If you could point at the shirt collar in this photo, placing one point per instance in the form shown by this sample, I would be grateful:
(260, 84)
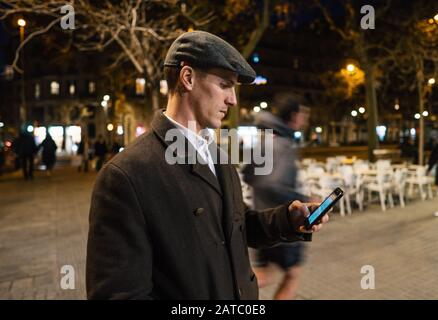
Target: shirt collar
(205, 138)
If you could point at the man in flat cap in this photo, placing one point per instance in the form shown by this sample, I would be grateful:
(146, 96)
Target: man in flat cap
(163, 229)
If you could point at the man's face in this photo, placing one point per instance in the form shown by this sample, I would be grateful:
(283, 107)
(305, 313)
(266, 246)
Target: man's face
(300, 120)
(213, 93)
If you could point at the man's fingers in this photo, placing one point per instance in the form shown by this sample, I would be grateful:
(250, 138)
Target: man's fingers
(312, 205)
(326, 218)
(303, 207)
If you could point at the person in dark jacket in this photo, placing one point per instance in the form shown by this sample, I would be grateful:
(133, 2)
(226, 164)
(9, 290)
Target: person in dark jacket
(279, 186)
(100, 151)
(25, 148)
(433, 159)
(48, 147)
(168, 222)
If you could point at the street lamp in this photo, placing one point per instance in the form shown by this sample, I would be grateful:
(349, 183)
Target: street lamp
(436, 17)
(23, 112)
(21, 22)
(362, 110)
(431, 81)
(354, 113)
(351, 68)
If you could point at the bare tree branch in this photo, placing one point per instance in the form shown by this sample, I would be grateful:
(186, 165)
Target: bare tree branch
(28, 38)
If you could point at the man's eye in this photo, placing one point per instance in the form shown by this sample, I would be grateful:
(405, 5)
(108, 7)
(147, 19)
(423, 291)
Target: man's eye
(224, 85)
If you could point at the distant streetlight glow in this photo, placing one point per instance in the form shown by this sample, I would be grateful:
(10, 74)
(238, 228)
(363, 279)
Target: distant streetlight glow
(2, 124)
(256, 109)
(417, 116)
(397, 106)
(436, 17)
(425, 113)
(297, 134)
(104, 103)
(362, 110)
(30, 128)
(431, 81)
(354, 113)
(263, 105)
(106, 97)
(431, 21)
(110, 127)
(260, 80)
(21, 22)
(119, 130)
(351, 67)
(318, 129)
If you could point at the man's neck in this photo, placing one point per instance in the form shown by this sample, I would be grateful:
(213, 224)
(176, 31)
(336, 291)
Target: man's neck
(182, 114)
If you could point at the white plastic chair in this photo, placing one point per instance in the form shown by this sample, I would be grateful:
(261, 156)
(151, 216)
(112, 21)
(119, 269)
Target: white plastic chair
(399, 184)
(353, 186)
(326, 185)
(382, 184)
(421, 180)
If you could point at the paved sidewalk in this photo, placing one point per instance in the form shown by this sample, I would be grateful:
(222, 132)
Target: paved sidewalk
(44, 224)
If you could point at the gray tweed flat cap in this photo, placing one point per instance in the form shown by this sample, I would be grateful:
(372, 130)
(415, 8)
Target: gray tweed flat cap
(205, 50)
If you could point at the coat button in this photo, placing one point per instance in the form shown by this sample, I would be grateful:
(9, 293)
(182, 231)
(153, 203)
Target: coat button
(223, 242)
(198, 211)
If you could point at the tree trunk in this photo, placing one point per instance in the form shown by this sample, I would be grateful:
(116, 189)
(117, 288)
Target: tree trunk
(420, 84)
(254, 39)
(371, 103)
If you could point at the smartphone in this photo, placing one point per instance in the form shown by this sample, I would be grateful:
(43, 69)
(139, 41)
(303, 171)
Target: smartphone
(323, 208)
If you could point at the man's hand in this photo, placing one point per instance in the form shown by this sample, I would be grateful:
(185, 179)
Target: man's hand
(300, 211)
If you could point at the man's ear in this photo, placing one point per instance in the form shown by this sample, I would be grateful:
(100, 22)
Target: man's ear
(186, 78)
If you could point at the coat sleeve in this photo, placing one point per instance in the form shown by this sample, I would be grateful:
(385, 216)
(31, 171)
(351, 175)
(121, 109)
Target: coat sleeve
(119, 253)
(265, 228)
(271, 226)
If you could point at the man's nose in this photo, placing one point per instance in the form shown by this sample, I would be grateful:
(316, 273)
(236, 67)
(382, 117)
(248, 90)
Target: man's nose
(231, 98)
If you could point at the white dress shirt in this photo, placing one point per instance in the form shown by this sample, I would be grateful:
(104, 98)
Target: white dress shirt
(201, 143)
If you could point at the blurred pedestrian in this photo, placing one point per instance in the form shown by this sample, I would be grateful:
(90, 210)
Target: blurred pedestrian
(48, 147)
(25, 148)
(115, 149)
(277, 187)
(2, 157)
(83, 152)
(433, 160)
(100, 151)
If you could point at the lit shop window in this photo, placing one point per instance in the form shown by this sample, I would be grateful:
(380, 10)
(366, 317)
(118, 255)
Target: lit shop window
(37, 91)
(72, 89)
(140, 86)
(54, 88)
(91, 87)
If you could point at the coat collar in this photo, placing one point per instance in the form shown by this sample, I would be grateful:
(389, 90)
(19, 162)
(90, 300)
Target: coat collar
(161, 126)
